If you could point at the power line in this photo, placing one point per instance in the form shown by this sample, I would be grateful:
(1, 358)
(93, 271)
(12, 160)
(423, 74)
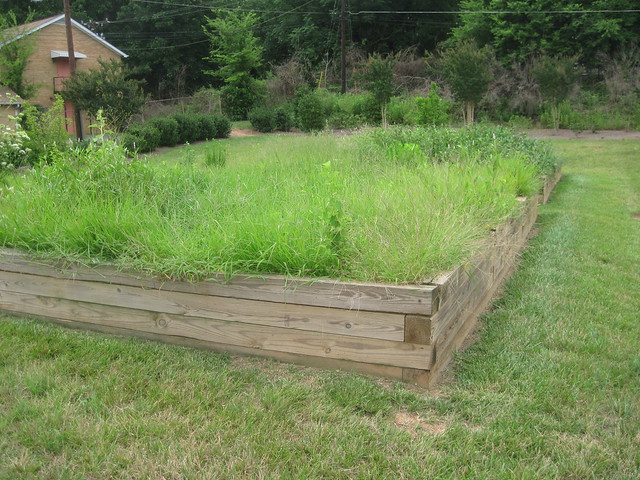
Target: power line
(486, 12)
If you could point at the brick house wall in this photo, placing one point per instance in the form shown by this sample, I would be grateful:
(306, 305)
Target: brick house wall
(50, 61)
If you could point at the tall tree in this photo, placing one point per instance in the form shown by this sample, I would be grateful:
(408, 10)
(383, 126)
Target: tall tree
(521, 29)
(468, 70)
(237, 58)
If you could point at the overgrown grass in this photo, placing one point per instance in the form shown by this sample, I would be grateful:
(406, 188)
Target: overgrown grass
(314, 206)
(549, 391)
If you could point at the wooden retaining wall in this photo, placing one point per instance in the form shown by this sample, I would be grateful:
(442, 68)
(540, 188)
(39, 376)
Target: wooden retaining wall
(402, 332)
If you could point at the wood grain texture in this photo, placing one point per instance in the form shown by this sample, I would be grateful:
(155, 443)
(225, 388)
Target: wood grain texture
(412, 299)
(328, 320)
(316, 362)
(379, 352)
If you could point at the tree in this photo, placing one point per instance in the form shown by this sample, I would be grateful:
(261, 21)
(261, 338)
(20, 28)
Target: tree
(378, 78)
(106, 88)
(556, 78)
(14, 56)
(468, 71)
(238, 57)
(529, 29)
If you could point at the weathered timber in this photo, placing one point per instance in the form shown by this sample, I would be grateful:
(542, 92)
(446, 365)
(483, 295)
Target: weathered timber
(327, 320)
(379, 352)
(403, 299)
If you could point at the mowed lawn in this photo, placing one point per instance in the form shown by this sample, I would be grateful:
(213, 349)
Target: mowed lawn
(550, 388)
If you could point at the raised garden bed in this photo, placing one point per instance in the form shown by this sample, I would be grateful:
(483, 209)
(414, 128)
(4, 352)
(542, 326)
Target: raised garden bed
(403, 332)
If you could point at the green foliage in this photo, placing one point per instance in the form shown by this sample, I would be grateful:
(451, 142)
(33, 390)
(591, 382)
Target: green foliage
(517, 36)
(283, 118)
(478, 144)
(141, 138)
(46, 130)
(187, 127)
(215, 155)
(14, 151)
(433, 109)
(468, 71)
(402, 111)
(222, 125)
(556, 78)
(15, 55)
(168, 128)
(310, 112)
(262, 119)
(107, 89)
(237, 56)
(378, 80)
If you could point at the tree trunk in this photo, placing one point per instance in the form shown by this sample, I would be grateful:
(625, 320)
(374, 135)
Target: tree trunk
(469, 113)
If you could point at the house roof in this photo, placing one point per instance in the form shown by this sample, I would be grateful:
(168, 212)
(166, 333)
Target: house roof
(9, 97)
(32, 27)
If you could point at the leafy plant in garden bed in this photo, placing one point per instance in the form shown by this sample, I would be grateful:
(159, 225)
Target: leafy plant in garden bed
(318, 206)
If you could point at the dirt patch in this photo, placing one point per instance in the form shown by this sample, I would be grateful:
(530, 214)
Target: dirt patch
(635, 216)
(244, 132)
(413, 424)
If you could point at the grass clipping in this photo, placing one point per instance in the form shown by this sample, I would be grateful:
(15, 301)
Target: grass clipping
(391, 205)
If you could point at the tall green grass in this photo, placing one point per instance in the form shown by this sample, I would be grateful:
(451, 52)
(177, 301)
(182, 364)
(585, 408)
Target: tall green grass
(312, 206)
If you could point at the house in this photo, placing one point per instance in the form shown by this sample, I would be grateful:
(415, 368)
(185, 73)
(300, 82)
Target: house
(9, 106)
(49, 65)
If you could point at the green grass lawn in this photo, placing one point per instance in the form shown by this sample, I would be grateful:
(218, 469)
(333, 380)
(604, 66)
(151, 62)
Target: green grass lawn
(551, 388)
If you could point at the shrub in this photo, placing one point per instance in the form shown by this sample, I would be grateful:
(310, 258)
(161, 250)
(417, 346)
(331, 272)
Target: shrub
(344, 120)
(168, 128)
(46, 130)
(402, 111)
(206, 127)
(283, 118)
(366, 107)
(187, 127)
(13, 152)
(222, 125)
(262, 119)
(141, 138)
(433, 109)
(310, 112)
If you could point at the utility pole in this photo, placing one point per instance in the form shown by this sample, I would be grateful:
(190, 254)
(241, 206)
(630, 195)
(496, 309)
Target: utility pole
(343, 46)
(72, 62)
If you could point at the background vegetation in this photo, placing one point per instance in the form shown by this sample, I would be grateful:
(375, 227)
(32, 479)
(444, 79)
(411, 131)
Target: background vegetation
(276, 51)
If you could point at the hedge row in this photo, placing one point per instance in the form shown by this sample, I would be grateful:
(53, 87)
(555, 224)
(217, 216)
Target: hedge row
(173, 130)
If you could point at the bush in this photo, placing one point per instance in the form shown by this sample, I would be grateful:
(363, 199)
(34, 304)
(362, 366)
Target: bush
(187, 127)
(168, 128)
(46, 130)
(283, 118)
(222, 125)
(13, 152)
(402, 111)
(433, 109)
(262, 119)
(344, 120)
(310, 112)
(206, 127)
(141, 138)
(366, 107)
